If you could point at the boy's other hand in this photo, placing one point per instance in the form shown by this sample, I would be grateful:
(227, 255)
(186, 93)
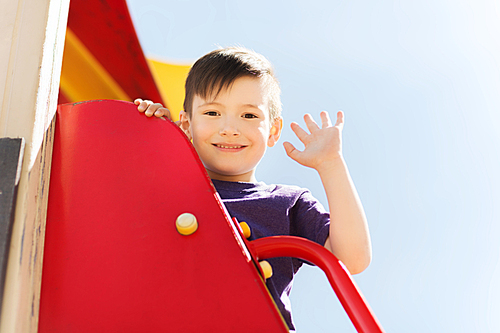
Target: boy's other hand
(149, 108)
(322, 145)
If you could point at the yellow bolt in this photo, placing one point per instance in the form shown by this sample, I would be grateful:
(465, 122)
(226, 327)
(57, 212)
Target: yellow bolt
(246, 229)
(266, 269)
(186, 224)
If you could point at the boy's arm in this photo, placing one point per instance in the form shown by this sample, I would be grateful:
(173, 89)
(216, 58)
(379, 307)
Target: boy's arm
(349, 236)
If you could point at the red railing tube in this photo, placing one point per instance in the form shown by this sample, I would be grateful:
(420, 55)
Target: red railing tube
(342, 283)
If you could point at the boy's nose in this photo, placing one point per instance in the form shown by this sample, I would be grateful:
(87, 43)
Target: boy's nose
(229, 130)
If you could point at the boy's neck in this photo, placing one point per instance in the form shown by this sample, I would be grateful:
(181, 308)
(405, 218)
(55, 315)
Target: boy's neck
(248, 177)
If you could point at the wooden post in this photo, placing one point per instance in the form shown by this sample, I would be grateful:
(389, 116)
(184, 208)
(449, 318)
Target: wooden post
(11, 160)
(31, 46)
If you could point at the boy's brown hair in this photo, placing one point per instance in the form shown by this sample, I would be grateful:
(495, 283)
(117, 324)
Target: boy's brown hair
(220, 68)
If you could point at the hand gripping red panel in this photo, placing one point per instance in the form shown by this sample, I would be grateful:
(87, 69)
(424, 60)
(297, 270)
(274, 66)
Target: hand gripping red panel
(113, 260)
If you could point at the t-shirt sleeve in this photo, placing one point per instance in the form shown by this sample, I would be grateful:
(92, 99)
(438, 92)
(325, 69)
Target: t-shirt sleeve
(309, 219)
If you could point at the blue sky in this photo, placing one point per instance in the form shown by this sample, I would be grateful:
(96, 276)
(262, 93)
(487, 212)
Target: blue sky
(419, 82)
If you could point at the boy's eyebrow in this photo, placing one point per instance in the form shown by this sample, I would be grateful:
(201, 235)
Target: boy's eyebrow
(209, 103)
(251, 106)
(220, 104)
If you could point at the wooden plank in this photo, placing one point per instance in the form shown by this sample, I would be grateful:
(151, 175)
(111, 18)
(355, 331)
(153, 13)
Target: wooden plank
(32, 41)
(11, 160)
(21, 292)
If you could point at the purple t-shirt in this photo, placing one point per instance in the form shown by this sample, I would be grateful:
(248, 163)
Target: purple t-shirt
(272, 210)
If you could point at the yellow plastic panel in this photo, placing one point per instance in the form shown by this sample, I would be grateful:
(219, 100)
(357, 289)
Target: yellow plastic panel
(170, 79)
(83, 77)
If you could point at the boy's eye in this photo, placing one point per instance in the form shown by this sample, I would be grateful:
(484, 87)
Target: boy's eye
(249, 115)
(212, 113)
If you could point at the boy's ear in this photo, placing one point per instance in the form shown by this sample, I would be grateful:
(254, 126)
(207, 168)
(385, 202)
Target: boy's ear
(185, 124)
(275, 132)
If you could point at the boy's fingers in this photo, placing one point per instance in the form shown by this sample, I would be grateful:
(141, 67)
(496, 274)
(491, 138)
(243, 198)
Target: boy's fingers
(163, 112)
(325, 119)
(143, 106)
(149, 108)
(311, 124)
(152, 108)
(301, 134)
(340, 120)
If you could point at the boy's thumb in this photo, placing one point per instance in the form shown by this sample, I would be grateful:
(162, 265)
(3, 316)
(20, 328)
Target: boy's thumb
(291, 151)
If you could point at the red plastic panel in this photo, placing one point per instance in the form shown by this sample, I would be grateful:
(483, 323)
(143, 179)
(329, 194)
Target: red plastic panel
(113, 260)
(344, 286)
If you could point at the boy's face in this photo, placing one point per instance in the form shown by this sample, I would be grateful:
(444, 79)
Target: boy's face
(232, 131)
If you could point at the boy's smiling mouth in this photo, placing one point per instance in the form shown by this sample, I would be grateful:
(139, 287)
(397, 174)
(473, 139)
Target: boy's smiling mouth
(227, 146)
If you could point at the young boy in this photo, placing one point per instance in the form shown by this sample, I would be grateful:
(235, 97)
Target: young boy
(232, 113)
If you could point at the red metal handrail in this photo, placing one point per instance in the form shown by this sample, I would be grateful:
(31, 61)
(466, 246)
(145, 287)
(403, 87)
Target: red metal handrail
(342, 283)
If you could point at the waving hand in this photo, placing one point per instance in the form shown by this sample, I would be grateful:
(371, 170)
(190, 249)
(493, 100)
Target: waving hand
(323, 145)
